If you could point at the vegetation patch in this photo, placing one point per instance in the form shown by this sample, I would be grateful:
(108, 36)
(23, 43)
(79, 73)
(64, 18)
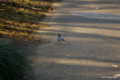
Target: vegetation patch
(20, 18)
(14, 65)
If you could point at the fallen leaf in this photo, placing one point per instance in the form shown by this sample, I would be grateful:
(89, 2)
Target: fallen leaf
(116, 66)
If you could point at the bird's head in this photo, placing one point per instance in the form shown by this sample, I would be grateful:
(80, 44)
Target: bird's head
(58, 34)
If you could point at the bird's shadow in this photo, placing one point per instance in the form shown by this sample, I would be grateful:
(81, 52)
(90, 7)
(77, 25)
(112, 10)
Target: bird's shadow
(62, 43)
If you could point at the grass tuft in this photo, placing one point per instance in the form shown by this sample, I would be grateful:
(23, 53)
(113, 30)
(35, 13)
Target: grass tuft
(14, 64)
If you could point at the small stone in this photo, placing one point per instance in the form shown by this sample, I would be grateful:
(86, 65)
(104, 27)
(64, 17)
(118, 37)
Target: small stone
(96, 8)
(20, 26)
(116, 66)
(68, 55)
(117, 75)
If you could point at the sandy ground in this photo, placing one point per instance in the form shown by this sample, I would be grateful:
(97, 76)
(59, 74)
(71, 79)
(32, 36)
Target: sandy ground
(94, 46)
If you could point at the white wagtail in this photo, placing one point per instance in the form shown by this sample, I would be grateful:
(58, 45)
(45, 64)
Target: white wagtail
(59, 38)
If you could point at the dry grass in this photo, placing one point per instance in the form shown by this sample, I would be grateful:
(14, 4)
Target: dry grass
(19, 18)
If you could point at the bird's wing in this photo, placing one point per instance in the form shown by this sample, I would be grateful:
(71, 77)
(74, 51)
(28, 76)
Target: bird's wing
(60, 39)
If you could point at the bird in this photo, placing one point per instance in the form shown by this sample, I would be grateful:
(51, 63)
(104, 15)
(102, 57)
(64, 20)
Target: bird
(59, 38)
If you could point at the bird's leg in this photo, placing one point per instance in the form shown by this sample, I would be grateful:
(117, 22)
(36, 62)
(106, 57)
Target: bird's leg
(60, 42)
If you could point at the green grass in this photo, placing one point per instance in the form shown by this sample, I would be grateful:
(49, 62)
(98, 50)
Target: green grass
(14, 65)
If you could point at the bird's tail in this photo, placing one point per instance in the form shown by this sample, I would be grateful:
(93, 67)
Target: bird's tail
(67, 41)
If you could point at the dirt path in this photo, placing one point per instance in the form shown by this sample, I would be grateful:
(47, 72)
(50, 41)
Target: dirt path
(95, 42)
